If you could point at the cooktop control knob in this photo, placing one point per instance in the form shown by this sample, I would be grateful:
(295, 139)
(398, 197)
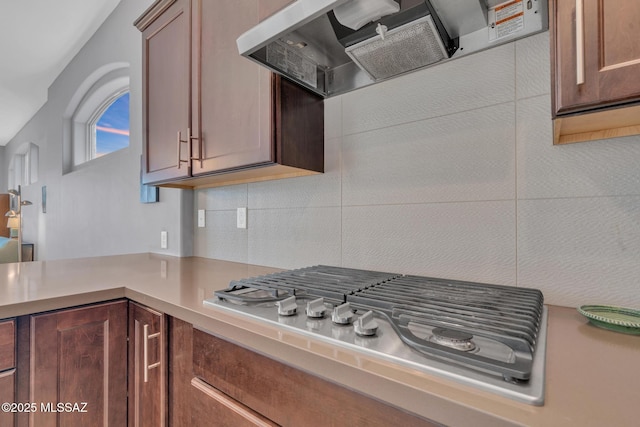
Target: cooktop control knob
(316, 308)
(366, 326)
(342, 314)
(287, 306)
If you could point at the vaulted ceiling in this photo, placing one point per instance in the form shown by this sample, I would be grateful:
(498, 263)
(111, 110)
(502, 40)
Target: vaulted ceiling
(38, 38)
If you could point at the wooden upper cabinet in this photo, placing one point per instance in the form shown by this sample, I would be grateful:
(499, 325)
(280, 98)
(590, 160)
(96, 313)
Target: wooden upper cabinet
(269, 7)
(235, 122)
(166, 93)
(233, 95)
(596, 64)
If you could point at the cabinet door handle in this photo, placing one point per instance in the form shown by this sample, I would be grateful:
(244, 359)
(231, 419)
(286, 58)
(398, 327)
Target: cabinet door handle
(199, 158)
(579, 42)
(145, 351)
(188, 141)
(180, 141)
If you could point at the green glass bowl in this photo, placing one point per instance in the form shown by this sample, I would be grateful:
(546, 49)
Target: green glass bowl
(619, 319)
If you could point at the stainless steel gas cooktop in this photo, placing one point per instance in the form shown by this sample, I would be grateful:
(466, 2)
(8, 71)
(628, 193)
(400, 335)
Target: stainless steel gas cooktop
(487, 336)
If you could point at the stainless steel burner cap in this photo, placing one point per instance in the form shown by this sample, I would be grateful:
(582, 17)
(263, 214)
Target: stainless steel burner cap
(458, 340)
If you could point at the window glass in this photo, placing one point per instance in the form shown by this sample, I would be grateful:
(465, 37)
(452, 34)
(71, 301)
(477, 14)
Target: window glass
(111, 129)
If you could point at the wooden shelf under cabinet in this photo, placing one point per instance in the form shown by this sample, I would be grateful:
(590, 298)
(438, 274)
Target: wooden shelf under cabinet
(610, 123)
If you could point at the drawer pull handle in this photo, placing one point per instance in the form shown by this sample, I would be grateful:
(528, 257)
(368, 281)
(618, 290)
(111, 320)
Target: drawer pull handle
(579, 42)
(145, 351)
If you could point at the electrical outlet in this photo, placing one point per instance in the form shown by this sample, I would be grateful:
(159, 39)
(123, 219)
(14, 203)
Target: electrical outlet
(163, 240)
(242, 218)
(201, 218)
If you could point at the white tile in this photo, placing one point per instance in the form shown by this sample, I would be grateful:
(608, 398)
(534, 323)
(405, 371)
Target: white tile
(292, 238)
(307, 191)
(533, 75)
(222, 198)
(581, 251)
(220, 239)
(333, 117)
(478, 80)
(465, 241)
(586, 169)
(460, 157)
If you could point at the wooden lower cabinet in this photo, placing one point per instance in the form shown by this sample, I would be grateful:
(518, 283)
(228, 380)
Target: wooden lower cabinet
(110, 359)
(79, 356)
(7, 369)
(120, 363)
(8, 395)
(7, 344)
(211, 407)
(228, 385)
(147, 367)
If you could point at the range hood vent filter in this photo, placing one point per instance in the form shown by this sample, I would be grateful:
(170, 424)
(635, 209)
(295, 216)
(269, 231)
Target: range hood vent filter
(331, 47)
(402, 49)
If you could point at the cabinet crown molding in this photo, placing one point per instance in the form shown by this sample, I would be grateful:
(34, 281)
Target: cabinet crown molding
(149, 15)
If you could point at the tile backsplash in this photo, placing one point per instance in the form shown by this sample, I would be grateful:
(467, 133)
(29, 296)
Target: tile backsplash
(451, 172)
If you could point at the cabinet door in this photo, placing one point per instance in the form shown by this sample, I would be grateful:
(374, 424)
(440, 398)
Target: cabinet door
(166, 80)
(147, 367)
(7, 394)
(7, 344)
(231, 94)
(80, 356)
(597, 54)
(269, 7)
(7, 373)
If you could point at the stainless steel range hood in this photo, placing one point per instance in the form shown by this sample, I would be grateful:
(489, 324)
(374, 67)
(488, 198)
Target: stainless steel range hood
(325, 46)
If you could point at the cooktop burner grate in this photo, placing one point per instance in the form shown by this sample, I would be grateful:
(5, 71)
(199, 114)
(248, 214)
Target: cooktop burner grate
(324, 281)
(425, 312)
(504, 310)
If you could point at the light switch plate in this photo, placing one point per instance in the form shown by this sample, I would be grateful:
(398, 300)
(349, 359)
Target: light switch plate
(242, 218)
(201, 218)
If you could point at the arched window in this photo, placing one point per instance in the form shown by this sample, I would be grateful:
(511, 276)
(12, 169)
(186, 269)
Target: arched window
(97, 117)
(109, 128)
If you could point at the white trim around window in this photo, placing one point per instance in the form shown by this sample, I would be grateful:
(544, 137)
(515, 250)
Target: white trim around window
(89, 102)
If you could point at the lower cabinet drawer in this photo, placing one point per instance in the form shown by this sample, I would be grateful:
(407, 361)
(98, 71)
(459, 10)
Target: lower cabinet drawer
(286, 395)
(7, 344)
(211, 407)
(7, 395)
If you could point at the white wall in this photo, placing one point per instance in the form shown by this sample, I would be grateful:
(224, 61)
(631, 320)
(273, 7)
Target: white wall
(95, 210)
(451, 172)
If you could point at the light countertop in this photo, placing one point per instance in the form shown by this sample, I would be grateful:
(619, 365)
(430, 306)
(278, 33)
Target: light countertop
(592, 375)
